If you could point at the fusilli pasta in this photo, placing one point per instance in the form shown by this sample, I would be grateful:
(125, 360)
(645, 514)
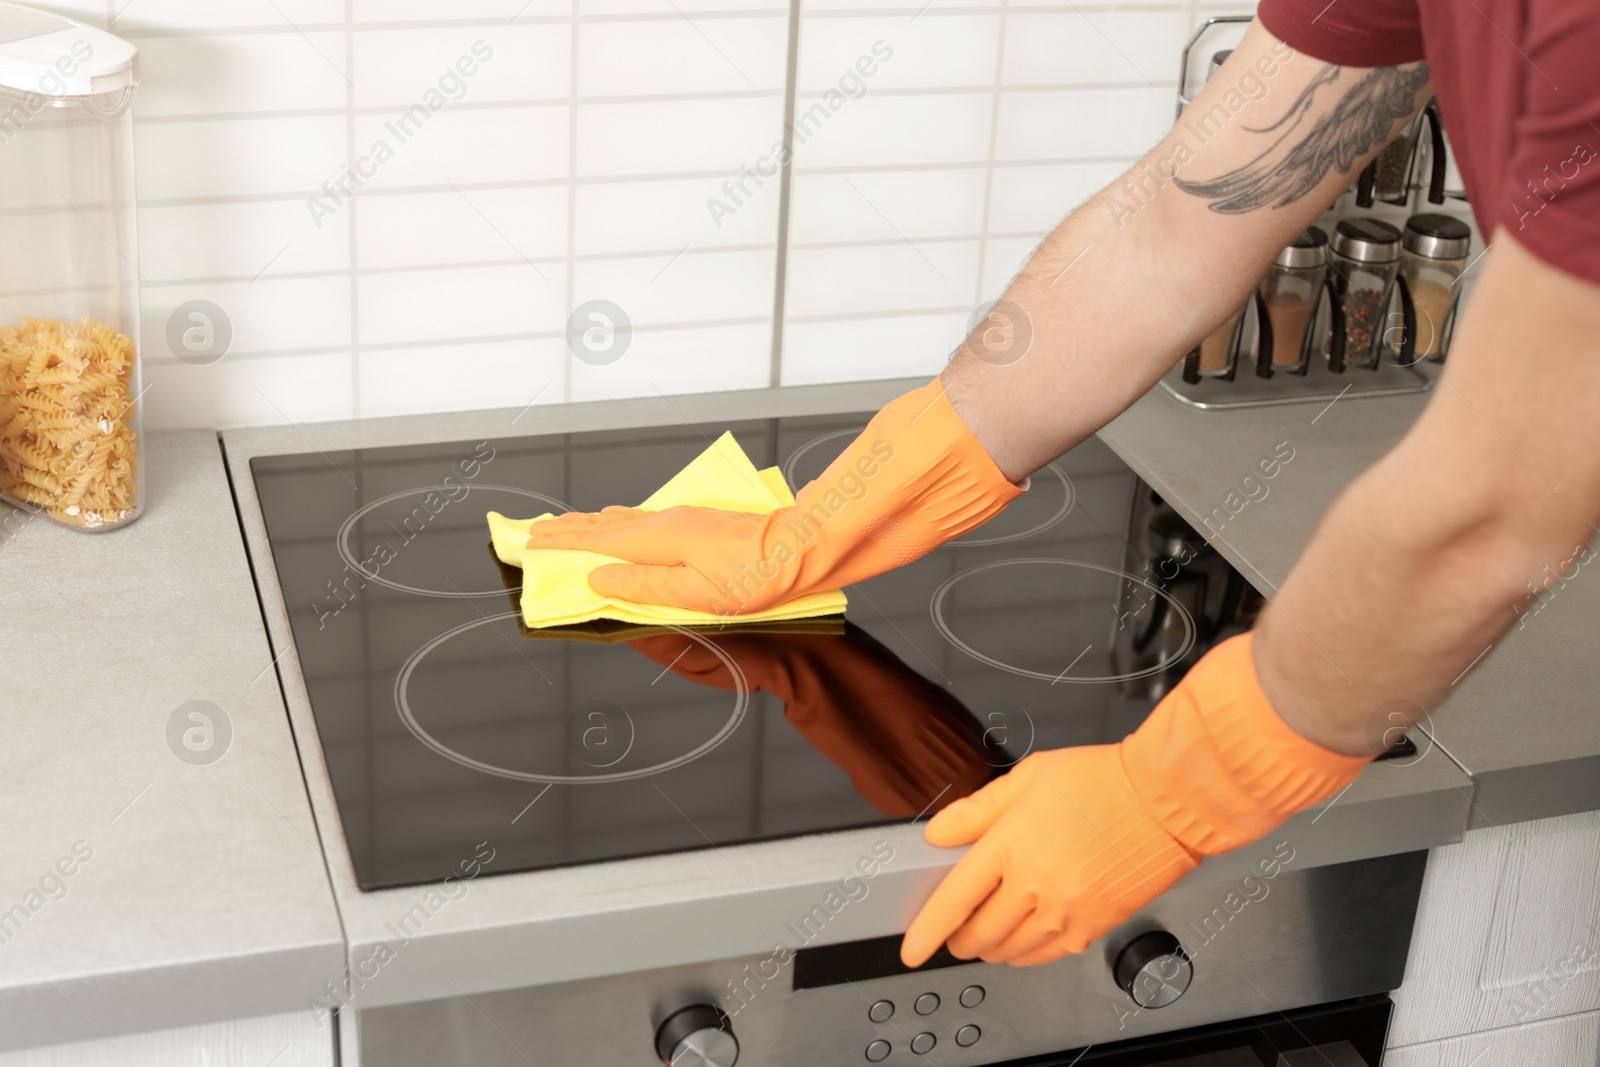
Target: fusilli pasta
(67, 442)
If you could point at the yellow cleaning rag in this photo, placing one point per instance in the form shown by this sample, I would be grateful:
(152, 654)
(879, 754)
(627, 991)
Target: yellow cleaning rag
(555, 582)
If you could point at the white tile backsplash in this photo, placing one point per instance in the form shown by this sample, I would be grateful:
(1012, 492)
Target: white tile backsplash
(461, 226)
(682, 55)
(396, 307)
(238, 157)
(1073, 48)
(676, 136)
(230, 73)
(483, 64)
(463, 377)
(603, 149)
(933, 52)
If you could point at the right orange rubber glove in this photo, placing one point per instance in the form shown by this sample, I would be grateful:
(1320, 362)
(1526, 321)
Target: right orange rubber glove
(1072, 842)
(914, 479)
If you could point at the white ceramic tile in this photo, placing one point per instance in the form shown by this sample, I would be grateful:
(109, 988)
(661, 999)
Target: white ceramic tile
(1071, 48)
(863, 349)
(429, 229)
(878, 130)
(637, 216)
(683, 55)
(264, 237)
(90, 12)
(902, 276)
(1034, 199)
(884, 205)
(486, 11)
(270, 392)
(462, 377)
(475, 64)
(674, 136)
(464, 145)
(223, 73)
(234, 157)
(1082, 122)
(694, 287)
(430, 306)
(919, 8)
(693, 360)
(270, 315)
(309, 388)
(898, 53)
(664, 10)
(156, 15)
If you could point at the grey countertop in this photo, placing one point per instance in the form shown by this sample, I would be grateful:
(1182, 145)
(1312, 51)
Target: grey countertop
(196, 891)
(554, 925)
(222, 889)
(1526, 724)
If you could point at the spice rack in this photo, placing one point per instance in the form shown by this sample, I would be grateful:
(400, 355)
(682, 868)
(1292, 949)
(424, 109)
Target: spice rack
(1251, 379)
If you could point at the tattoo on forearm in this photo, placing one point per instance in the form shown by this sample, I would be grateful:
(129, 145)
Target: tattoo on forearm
(1289, 168)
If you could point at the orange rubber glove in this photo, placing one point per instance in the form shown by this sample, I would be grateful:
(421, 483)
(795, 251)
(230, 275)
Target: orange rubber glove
(914, 479)
(906, 743)
(1073, 842)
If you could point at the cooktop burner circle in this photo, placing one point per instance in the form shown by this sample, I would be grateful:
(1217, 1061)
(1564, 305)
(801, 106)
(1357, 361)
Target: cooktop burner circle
(741, 705)
(936, 608)
(1069, 494)
(342, 540)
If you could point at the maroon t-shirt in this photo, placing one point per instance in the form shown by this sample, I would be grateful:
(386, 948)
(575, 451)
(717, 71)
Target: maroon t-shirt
(1518, 83)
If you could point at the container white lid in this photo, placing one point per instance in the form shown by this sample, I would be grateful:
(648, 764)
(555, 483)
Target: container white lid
(59, 58)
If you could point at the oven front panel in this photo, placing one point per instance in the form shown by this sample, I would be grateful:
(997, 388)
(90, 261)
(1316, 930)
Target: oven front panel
(1301, 939)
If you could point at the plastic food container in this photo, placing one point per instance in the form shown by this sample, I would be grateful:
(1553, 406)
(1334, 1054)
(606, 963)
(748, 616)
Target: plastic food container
(69, 292)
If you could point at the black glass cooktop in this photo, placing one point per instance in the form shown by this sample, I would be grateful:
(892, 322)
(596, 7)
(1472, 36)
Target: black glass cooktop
(446, 724)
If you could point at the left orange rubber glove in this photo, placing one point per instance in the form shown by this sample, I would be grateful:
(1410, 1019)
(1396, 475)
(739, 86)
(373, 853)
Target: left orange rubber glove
(914, 479)
(1073, 842)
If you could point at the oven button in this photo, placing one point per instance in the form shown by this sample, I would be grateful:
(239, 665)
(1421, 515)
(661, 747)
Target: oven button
(923, 1043)
(698, 1036)
(878, 1051)
(968, 1036)
(1153, 969)
(927, 1004)
(881, 1012)
(972, 996)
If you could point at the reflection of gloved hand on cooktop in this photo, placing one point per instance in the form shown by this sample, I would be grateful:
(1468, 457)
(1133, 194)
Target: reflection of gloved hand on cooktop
(907, 744)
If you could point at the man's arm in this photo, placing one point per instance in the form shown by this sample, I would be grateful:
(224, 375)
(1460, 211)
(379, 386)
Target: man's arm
(1135, 277)
(1429, 557)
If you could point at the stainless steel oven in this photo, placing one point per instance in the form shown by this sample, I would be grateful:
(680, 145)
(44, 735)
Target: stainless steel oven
(1290, 971)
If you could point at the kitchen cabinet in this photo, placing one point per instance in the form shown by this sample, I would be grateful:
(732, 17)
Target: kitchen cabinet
(1505, 958)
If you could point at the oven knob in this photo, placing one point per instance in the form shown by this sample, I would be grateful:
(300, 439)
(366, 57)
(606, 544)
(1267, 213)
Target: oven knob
(700, 1036)
(1153, 969)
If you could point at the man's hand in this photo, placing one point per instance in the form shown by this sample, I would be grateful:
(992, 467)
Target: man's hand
(914, 479)
(1064, 852)
(1072, 842)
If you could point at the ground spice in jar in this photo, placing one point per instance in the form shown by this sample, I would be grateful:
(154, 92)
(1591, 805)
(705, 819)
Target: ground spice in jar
(1362, 309)
(1287, 313)
(1216, 351)
(1432, 301)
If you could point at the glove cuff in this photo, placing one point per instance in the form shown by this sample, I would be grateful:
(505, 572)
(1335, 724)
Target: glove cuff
(945, 483)
(1217, 767)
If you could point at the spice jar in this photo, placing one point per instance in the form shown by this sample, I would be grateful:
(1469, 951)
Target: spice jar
(1391, 170)
(69, 295)
(1364, 260)
(1290, 291)
(1432, 260)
